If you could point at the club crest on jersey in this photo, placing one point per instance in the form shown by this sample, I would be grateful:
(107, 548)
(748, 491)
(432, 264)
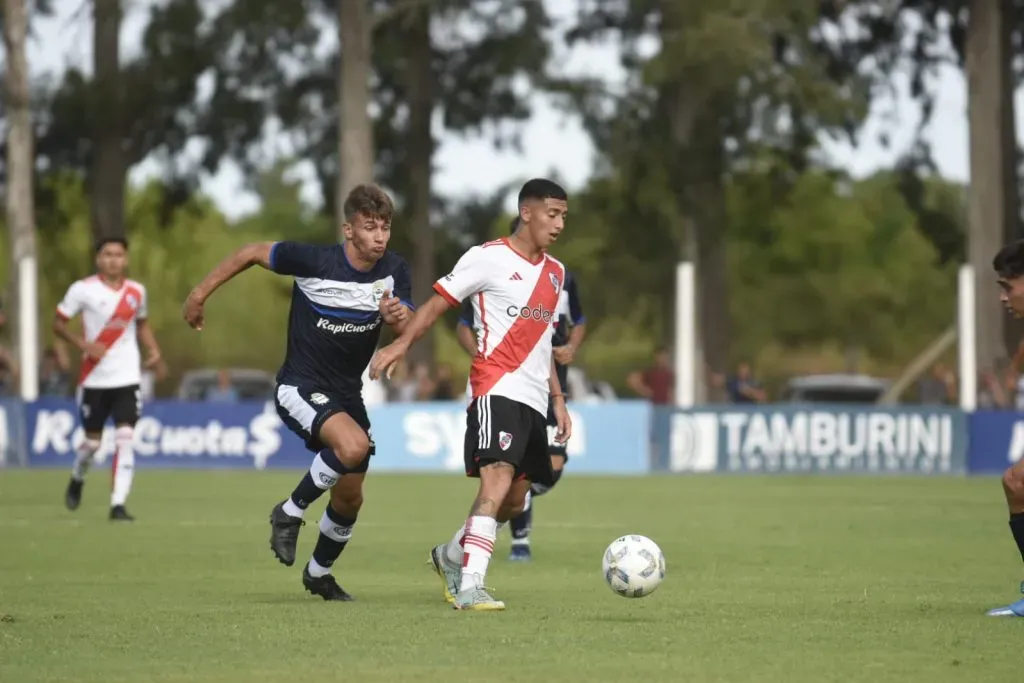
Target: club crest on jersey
(554, 281)
(504, 440)
(378, 291)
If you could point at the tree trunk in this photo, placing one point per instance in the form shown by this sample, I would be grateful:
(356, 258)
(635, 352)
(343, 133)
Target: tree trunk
(20, 211)
(697, 166)
(355, 127)
(109, 162)
(420, 89)
(992, 203)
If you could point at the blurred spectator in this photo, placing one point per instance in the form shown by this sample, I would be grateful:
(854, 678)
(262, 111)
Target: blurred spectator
(54, 375)
(937, 388)
(8, 373)
(444, 387)
(991, 393)
(401, 388)
(743, 388)
(656, 383)
(422, 382)
(717, 392)
(224, 392)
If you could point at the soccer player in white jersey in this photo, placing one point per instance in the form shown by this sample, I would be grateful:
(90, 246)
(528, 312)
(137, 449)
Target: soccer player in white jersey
(113, 310)
(515, 287)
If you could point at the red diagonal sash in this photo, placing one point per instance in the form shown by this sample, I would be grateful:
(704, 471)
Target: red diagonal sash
(522, 336)
(119, 320)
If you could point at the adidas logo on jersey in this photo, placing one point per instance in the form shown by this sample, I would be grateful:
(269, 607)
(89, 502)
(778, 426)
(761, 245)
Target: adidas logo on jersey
(345, 328)
(516, 276)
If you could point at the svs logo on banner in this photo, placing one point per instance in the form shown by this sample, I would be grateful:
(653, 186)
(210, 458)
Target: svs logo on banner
(818, 440)
(173, 433)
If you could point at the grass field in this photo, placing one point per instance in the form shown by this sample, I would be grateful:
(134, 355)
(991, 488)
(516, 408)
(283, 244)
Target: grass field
(769, 579)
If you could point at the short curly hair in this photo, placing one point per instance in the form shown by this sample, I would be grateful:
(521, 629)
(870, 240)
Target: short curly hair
(370, 201)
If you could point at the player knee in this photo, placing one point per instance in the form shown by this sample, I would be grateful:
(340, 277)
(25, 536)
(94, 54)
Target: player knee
(352, 451)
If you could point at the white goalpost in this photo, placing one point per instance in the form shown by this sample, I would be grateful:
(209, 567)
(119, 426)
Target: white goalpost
(966, 327)
(686, 335)
(28, 328)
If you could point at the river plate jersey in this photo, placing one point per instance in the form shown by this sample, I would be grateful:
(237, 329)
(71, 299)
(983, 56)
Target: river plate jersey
(515, 302)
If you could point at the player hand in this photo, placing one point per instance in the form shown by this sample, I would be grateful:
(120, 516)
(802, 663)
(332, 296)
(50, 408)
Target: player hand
(154, 358)
(392, 310)
(563, 420)
(193, 312)
(385, 360)
(564, 354)
(94, 350)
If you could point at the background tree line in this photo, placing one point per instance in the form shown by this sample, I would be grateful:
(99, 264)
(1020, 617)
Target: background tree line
(710, 152)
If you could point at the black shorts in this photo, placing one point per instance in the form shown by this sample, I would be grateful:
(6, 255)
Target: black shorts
(121, 405)
(503, 430)
(555, 448)
(304, 410)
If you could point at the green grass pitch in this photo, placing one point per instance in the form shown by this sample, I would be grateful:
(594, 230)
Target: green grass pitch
(769, 579)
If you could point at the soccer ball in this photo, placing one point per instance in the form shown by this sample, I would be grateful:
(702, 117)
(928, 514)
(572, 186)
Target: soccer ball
(633, 566)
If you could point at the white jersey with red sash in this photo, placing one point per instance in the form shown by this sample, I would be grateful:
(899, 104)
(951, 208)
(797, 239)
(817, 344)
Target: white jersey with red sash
(109, 317)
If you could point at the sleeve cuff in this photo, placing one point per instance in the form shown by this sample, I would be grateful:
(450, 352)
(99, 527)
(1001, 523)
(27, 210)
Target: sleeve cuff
(273, 250)
(62, 314)
(445, 295)
(580, 320)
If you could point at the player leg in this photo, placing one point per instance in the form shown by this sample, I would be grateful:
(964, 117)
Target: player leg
(1013, 489)
(496, 441)
(341, 445)
(93, 410)
(336, 526)
(126, 408)
(522, 525)
(337, 522)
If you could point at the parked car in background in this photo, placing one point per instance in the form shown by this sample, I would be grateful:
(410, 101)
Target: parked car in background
(835, 389)
(249, 384)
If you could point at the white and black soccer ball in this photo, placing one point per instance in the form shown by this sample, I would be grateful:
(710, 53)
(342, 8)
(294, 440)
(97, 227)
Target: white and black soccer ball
(633, 566)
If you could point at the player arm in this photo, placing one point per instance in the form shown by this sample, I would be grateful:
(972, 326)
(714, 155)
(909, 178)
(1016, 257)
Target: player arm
(148, 339)
(403, 290)
(144, 331)
(579, 321)
(467, 339)
(464, 328)
(554, 387)
(257, 253)
(67, 309)
(468, 277)
(426, 315)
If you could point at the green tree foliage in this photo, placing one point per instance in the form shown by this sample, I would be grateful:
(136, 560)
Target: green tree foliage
(247, 319)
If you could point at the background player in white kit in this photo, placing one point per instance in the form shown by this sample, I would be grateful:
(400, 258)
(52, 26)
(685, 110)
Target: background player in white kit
(516, 288)
(113, 312)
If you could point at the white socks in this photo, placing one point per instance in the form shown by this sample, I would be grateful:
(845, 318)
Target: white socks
(478, 546)
(83, 458)
(124, 465)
